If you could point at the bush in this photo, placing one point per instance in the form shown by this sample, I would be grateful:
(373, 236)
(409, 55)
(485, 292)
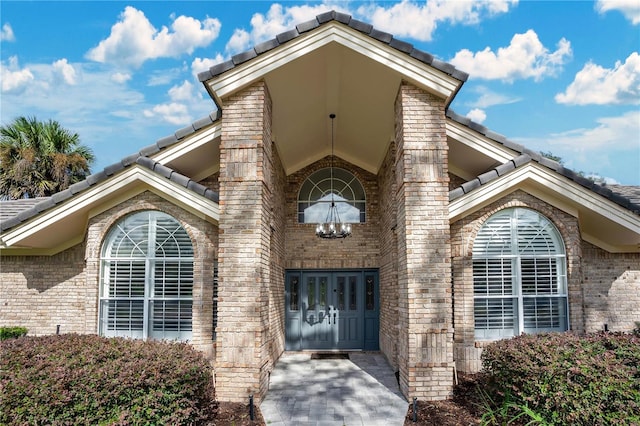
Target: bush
(12, 332)
(86, 379)
(567, 379)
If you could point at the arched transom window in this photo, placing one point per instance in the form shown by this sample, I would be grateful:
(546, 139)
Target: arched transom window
(146, 278)
(519, 276)
(314, 198)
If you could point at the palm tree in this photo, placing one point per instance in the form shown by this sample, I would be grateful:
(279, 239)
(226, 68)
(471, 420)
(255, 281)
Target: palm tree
(38, 159)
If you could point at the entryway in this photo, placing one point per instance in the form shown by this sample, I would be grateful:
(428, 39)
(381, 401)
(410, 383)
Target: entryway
(359, 391)
(332, 310)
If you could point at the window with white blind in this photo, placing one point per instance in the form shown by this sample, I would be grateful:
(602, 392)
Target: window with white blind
(519, 276)
(146, 282)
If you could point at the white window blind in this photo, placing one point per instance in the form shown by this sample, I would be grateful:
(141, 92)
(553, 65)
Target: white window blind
(519, 276)
(147, 279)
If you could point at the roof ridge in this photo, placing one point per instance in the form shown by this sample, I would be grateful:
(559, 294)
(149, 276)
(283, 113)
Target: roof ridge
(322, 19)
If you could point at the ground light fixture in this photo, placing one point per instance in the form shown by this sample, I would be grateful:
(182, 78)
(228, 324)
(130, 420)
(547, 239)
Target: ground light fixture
(333, 227)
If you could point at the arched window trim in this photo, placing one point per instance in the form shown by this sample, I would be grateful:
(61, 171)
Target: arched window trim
(519, 275)
(346, 186)
(146, 291)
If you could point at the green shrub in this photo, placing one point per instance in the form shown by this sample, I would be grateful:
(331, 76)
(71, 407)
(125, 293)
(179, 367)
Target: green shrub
(87, 379)
(12, 332)
(568, 379)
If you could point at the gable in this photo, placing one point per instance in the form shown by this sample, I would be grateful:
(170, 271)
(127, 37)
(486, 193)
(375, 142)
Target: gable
(333, 64)
(59, 222)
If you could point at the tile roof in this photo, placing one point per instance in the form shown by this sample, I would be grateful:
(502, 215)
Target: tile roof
(15, 212)
(10, 208)
(325, 18)
(625, 196)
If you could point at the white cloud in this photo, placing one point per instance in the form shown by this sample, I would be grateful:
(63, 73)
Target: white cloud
(14, 79)
(594, 84)
(173, 112)
(613, 142)
(488, 98)
(199, 65)
(6, 34)
(525, 57)
(419, 20)
(629, 8)
(276, 21)
(477, 115)
(612, 133)
(65, 71)
(184, 92)
(404, 19)
(120, 77)
(133, 39)
(239, 41)
(184, 101)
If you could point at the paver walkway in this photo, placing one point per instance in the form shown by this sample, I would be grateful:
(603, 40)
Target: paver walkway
(360, 391)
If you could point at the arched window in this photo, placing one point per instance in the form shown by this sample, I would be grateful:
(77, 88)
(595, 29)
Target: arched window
(314, 198)
(146, 282)
(519, 276)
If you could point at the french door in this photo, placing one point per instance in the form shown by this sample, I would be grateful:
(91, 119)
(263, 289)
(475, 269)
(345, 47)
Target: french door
(332, 310)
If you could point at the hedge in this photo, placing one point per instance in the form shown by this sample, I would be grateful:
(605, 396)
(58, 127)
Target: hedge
(87, 379)
(12, 332)
(566, 378)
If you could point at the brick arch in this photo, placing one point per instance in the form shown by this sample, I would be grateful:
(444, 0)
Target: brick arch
(144, 202)
(521, 199)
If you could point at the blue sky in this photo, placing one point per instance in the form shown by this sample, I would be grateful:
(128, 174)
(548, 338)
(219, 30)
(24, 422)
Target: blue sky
(559, 77)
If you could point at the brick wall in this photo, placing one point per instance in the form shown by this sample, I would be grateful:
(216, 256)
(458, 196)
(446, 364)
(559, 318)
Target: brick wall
(611, 288)
(389, 321)
(64, 288)
(463, 233)
(425, 352)
(41, 292)
(304, 250)
(242, 347)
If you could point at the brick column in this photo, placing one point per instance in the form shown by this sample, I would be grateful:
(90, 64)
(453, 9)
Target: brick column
(425, 349)
(244, 239)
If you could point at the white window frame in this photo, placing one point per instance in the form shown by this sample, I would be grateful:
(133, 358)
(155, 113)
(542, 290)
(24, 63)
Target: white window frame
(161, 281)
(508, 240)
(348, 194)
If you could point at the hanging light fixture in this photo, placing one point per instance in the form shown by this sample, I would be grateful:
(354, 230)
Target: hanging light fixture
(333, 227)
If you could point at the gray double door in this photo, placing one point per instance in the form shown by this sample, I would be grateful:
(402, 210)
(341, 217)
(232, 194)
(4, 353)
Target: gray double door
(336, 309)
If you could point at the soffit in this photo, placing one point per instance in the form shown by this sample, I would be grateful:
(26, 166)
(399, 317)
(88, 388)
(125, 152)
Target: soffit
(333, 69)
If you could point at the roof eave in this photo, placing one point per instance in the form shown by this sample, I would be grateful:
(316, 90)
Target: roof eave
(559, 192)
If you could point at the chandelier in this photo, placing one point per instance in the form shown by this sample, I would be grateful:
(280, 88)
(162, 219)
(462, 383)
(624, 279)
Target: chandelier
(333, 227)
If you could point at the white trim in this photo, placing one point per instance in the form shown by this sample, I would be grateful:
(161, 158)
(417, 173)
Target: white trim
(478, 142)
(419, 73)
(188, 144)
(134, 175)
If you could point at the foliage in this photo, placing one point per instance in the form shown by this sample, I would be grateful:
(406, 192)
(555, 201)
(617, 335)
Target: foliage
(38, 159)
(508, 412)
(12, 332)
(87, 379)
(562, 378)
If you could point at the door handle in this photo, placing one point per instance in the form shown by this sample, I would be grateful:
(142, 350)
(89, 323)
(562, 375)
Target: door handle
(334, 318)
(329, 318)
